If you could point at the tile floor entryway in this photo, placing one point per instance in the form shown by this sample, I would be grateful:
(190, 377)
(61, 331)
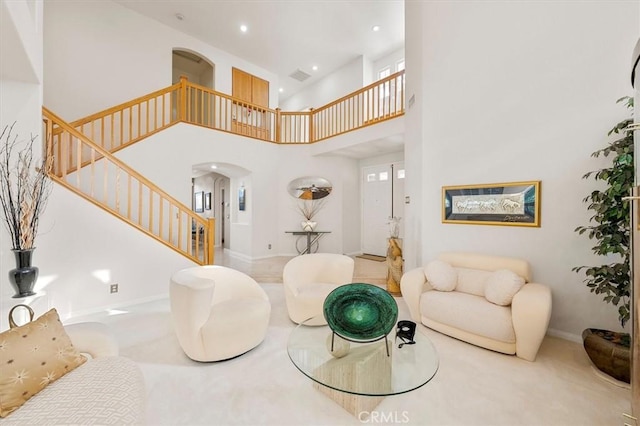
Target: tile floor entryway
(270, 270)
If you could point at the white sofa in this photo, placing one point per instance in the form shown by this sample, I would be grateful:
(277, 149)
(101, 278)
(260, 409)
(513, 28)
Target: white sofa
(465, 312)
(218, 312)
(308, 279)
(107, 389)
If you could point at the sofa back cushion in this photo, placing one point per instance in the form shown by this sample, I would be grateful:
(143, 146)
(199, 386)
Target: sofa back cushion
(487, 263)
(501, 286)
(441, 275)
(472, 281)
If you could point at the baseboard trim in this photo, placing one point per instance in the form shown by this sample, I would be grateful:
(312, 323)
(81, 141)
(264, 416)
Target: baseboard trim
(564, 335)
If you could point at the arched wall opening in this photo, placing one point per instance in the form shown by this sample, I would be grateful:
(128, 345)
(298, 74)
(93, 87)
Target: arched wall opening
(194, 66)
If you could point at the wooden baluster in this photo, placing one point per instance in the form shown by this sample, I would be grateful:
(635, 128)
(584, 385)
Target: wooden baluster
(150, 227)
(160, 216)
(182, 110)
(211, 227)
(129, 196)
(92, 170)
(311, 137)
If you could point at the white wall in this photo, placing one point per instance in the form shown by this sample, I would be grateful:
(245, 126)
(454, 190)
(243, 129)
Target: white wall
(102, 46)
(271, 168)
(391, 60)
(20, 102)
(513, 91)
(339, 83)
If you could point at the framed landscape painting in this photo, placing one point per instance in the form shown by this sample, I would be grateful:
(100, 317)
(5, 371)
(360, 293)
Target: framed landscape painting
(514, 204)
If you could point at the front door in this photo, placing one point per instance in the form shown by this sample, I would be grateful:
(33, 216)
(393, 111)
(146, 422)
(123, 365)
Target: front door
(382, 198)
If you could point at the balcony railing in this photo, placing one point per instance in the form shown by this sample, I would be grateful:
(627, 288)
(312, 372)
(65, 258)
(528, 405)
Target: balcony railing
(122, 125)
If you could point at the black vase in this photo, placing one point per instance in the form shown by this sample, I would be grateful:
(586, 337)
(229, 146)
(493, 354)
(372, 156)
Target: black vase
(24, 276)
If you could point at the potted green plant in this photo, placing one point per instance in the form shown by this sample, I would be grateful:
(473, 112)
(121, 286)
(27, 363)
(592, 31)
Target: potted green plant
(24, 189)
(610, 229)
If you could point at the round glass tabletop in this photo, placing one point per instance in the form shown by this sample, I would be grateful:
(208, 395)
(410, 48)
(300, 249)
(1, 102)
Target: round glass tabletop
(362, 368)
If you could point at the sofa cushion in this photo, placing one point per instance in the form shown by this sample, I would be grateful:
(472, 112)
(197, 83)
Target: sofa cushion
(32, 356)
(469, 313)
(104, 391)
(501, 286)
(472, 281)
(441, 275)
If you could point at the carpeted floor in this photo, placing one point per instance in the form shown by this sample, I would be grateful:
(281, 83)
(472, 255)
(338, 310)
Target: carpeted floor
(472, 387)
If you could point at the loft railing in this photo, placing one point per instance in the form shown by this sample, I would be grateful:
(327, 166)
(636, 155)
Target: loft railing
(206, 107)
(122, 125)
(90, 171)
(372, 104)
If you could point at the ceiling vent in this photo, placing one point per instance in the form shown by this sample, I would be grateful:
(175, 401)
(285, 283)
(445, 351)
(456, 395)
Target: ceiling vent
(299, 75)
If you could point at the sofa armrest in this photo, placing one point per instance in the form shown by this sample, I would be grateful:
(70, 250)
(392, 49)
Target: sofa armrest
(412, 284)
(531, 312)
(93, 338)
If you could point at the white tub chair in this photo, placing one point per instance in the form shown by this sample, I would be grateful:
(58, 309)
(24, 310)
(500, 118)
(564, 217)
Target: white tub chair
(218, 312)
(309, 278)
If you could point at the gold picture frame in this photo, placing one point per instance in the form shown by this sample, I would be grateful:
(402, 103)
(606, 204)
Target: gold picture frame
(510, 204)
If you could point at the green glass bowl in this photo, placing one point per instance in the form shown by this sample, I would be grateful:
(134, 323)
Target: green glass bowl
(360, 312)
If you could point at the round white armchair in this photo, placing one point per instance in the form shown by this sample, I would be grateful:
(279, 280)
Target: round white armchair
(309, 278)
(218, 312)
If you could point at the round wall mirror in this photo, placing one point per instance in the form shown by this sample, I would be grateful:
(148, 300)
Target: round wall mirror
(309, 188)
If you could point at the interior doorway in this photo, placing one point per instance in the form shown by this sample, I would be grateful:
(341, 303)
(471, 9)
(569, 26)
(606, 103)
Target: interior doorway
(382, 198)
(213, 187)
(193, 66)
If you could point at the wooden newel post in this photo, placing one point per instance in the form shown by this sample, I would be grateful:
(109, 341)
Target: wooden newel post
(211, 242)
(278, 125)
(395, 265)
(311, 138)
(182, 112)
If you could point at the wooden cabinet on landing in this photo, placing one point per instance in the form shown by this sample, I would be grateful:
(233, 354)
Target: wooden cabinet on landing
(249, 119)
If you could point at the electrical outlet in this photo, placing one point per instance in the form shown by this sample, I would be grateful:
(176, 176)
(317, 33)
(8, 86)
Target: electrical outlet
(269, 246)
(114, 288)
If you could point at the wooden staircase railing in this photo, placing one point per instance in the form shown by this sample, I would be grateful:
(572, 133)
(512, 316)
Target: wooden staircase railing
(90, 171)
(122, 125)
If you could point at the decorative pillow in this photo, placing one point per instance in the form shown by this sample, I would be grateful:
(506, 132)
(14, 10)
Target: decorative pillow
(32, 356)
(501, 286)
(441, 275)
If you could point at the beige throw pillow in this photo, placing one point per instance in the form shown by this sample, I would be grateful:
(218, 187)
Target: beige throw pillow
(441, 275)
(501, 286)
(32, 356)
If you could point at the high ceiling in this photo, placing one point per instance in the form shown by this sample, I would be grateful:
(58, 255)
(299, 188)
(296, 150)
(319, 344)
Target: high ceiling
(286, 35)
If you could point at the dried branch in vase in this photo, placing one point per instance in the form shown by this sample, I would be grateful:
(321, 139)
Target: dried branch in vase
(309, 208)
(24, 188)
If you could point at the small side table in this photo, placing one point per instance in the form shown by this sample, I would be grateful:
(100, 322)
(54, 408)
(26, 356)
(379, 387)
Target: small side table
(312, 238)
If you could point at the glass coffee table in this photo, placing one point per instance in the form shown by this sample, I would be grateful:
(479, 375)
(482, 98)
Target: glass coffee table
(359, 375)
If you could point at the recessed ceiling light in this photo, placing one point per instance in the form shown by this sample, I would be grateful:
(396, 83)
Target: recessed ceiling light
(281, 90)
(375, 28)
(315, 68)
(243, 28)
(213, 166)
(179, 16)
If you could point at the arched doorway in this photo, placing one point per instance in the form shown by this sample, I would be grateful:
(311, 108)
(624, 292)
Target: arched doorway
(193, 66)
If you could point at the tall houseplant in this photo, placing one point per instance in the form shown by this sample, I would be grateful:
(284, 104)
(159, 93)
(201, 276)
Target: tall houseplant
(24, 189)
(610, 223)
(610, 227)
